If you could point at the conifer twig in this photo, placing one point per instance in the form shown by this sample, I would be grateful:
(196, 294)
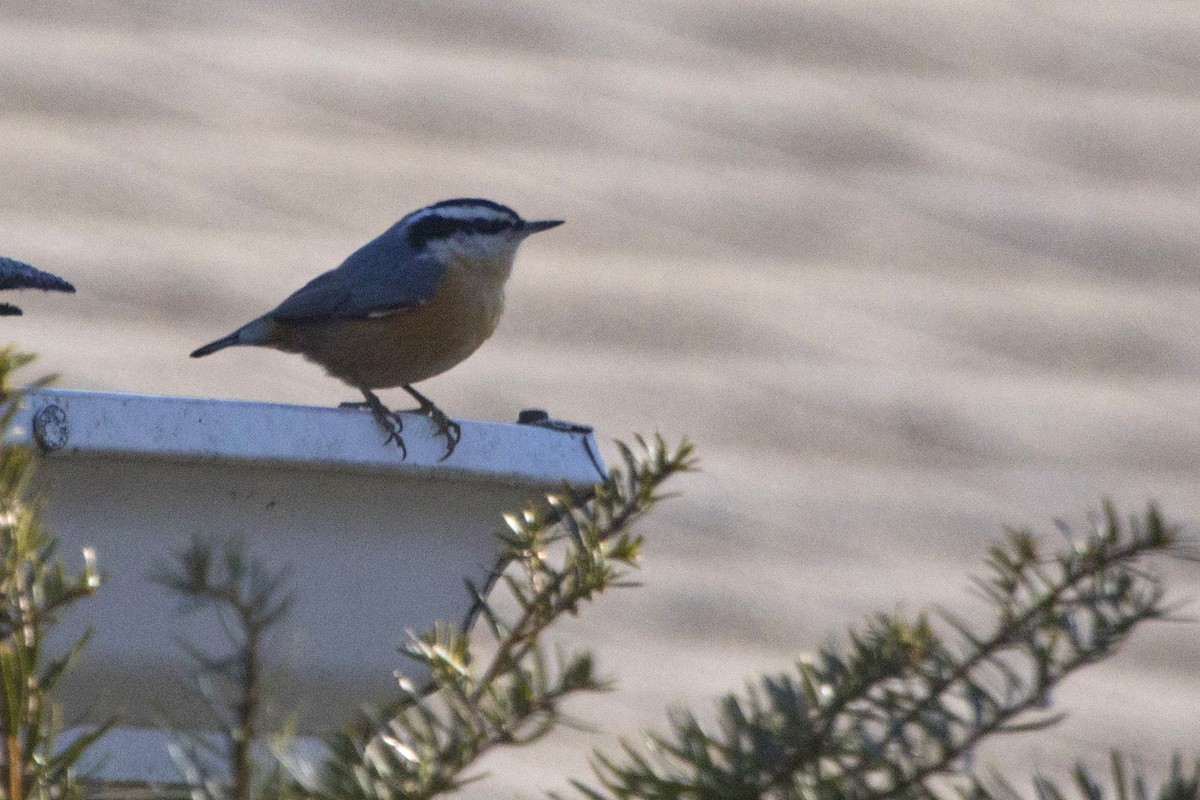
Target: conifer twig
(249, 600)
(905, 705)
(555, 558)
(35, 589)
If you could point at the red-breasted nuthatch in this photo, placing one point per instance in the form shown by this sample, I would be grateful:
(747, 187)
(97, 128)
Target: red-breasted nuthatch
(406, 306)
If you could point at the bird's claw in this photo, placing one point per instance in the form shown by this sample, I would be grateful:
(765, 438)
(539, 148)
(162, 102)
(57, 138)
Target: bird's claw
(393, 424)
(393, 435)
(447, 428)
(390, 421)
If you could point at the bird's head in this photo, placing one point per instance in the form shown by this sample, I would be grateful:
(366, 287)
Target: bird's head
(478, 231)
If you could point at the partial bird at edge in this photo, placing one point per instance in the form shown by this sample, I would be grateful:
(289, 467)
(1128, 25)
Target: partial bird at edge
(19, 275)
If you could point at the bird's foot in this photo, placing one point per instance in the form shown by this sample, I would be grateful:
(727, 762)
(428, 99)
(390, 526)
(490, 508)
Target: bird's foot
(393, 424)
(445, 427)
(389, 420)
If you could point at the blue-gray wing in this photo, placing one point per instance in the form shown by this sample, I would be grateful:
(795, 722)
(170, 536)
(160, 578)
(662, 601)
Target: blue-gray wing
(19, 275)
(381, 277)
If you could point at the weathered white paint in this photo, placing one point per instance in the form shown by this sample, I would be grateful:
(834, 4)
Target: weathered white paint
(378, 544)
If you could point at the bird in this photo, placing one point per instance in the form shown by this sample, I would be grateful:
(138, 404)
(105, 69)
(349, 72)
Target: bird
(19, 275)
(408, 305)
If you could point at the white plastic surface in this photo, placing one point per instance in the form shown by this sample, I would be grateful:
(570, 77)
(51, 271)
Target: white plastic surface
(196, 429)
(378, 545)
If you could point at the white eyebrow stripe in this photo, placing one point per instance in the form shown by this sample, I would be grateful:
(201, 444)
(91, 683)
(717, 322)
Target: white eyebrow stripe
(462, 212)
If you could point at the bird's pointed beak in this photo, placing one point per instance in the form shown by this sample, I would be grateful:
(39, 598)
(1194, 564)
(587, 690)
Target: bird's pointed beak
(539, 225)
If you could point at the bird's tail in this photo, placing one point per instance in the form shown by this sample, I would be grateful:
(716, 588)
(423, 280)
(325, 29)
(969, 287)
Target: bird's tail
(219, 344)
(254, 332)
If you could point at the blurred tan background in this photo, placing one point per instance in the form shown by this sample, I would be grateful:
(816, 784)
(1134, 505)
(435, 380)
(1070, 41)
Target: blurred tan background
(905, 273)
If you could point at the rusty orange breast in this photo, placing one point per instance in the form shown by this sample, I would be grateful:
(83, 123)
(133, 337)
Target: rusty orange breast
(406, 346)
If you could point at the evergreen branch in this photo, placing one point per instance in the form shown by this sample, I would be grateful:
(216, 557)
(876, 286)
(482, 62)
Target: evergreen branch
(248, 600)
(904, 706)
(35, 589)
(1123, 785)
(1032, 632)
(556, 556)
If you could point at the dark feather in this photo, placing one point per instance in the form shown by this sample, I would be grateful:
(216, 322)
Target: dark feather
(19, 275)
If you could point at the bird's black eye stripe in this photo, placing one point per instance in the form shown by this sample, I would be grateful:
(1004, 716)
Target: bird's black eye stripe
(436, 226)
(431, 227)
(492, 225)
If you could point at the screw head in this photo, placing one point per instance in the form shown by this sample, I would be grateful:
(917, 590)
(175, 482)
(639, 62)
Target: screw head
(50, 428)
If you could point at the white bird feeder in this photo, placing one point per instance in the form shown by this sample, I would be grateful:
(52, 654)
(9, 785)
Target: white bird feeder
(378, 544)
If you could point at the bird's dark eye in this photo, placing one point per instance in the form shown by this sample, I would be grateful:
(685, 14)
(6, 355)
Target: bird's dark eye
(436, 226)
(491, 225)
(425, 230)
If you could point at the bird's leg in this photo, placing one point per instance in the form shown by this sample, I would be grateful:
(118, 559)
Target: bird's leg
(388, 420)
(446, 427)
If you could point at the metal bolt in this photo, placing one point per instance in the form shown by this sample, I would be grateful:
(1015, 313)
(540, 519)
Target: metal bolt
(50, 427)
